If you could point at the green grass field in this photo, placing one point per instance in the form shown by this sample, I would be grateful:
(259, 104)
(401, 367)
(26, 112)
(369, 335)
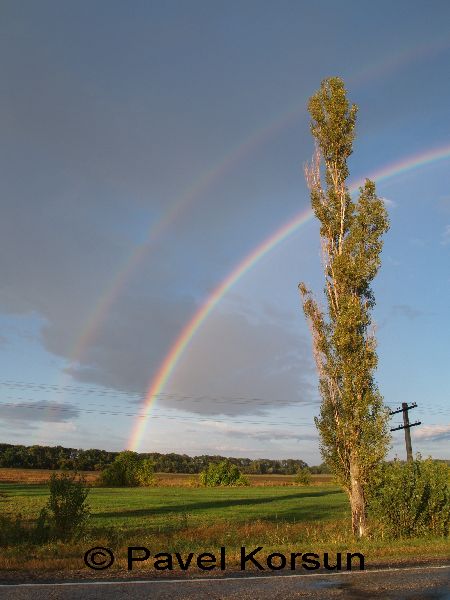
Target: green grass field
(154, 509)
(170, 519)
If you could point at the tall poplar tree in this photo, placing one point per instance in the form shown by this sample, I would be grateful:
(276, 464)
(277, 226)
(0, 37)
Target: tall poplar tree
(353, 420)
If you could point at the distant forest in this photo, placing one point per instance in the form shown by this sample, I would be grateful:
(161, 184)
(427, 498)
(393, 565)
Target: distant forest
(58, 457)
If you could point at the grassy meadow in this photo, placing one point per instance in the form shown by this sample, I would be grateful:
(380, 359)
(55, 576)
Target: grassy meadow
(176, 517)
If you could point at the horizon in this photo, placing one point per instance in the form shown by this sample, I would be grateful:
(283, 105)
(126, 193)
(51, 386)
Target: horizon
(280, 459)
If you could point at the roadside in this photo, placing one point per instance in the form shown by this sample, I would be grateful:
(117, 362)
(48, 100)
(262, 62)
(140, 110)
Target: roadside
(122, 574)
(392, 584)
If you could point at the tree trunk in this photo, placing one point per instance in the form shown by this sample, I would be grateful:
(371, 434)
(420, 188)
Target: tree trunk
(357, 501)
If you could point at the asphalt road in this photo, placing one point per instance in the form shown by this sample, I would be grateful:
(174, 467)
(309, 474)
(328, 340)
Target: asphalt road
(418, 583)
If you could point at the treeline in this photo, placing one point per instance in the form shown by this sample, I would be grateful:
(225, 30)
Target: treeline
(58, 457)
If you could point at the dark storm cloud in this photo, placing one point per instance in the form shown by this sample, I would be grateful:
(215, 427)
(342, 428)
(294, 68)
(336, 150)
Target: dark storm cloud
(234, 356)
(83, 174)
(131, 342)
(231, 361)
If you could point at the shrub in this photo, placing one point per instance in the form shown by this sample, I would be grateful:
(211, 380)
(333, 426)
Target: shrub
(128, 470)
(12, 530)
(145, 473)
(66, 512)
(303, 476)
(222, 473)
(411, 499)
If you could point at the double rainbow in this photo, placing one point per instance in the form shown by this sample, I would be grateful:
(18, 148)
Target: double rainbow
(198, 187)
(170, 362)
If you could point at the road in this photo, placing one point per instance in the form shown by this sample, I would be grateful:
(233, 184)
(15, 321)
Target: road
(415, 583)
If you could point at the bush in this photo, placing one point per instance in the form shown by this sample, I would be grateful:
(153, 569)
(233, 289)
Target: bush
(66, 512)
(411, 499)
(12, 530)
(145, 473)
(128, 470)
(222, 473)
(303, 476)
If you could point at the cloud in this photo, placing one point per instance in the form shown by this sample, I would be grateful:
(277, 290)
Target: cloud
(266, 434)
(277, 435)
(389, 203)
(405, 310)
(234, 356)
(40, 411)
(433, 433)
(67, 255)
(131, 342)
(101, 170)
(278, 315)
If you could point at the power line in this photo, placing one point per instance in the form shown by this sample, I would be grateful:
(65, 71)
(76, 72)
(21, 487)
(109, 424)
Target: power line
(273, 404)
(62, 408)
(161, 395)
(180, 397)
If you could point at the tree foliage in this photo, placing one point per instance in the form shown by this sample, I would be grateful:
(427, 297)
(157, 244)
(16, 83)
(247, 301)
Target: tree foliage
(303, 476)
(222, 473)
(66, 512)
(129, 469)
(59, 457)
(412, 498)
(352, 422)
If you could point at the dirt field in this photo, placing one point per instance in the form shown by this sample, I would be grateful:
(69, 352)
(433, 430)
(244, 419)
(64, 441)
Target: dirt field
(37, 475)
(183, 479)
(164, 479)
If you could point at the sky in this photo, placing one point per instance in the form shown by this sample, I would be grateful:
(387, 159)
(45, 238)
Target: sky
(148, 150)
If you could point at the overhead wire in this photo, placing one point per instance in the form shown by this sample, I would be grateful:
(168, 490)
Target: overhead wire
(68, 408)
(27, 403)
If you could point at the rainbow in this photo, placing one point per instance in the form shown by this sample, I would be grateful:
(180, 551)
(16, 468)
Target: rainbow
(195, 190)
(199, 186)
(169, 363)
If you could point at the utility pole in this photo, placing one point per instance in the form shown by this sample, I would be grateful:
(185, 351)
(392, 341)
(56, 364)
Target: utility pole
(406, 426)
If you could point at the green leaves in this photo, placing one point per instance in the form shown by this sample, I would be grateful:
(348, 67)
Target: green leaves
(66, 511)
(411, 499)
(128, 470)
(352, 421)
(333, 123)
(221, 474)
(303, 476)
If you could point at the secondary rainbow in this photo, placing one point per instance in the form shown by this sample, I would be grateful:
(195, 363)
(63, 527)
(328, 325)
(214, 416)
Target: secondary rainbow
(199, 186)
(196, 190)
(169, 363)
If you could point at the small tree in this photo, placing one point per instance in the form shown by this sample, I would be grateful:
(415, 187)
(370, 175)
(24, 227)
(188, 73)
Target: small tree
(222, 473)
(66, 511)
(303, 476)
(128, 470)
(353, 421)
